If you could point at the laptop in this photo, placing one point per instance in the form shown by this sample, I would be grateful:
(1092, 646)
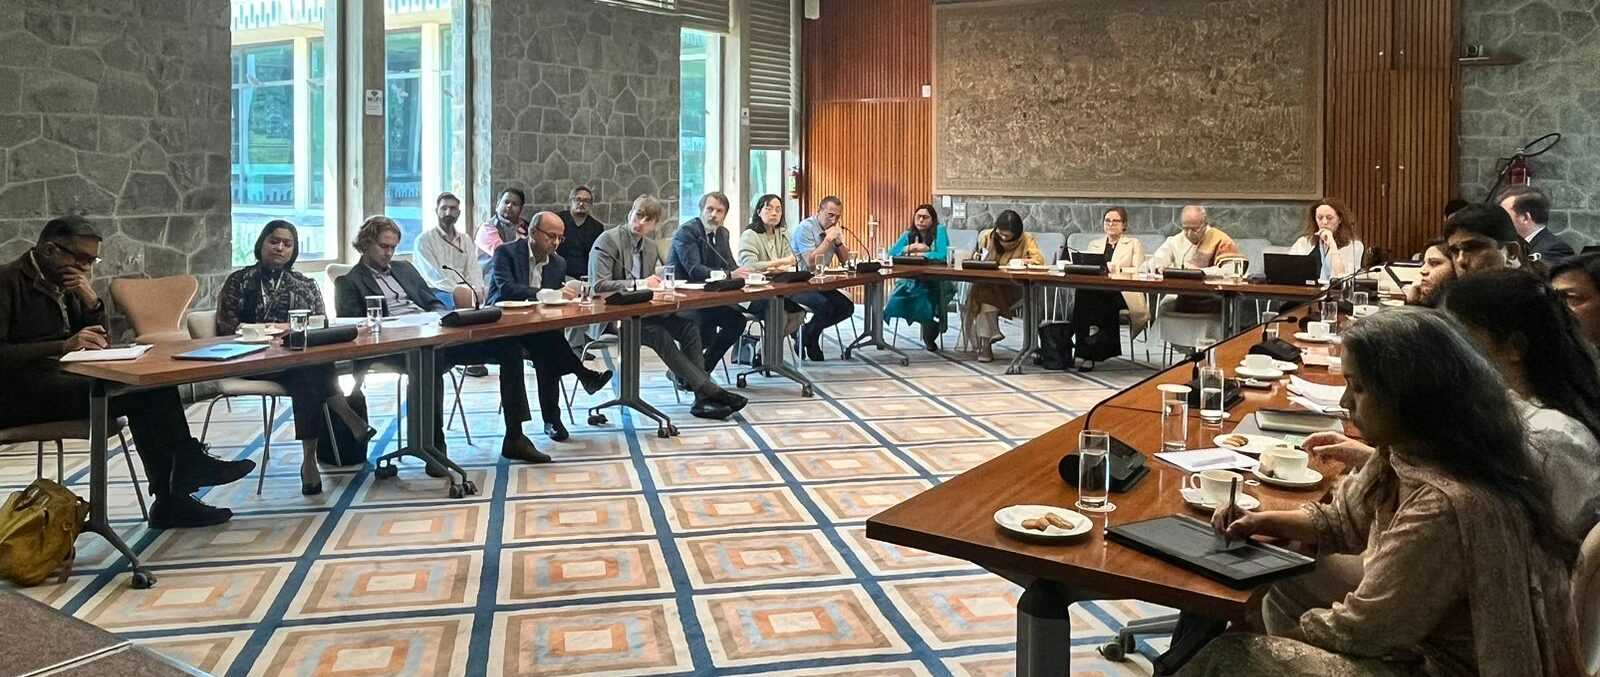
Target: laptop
(221, 352)
(1292, 268)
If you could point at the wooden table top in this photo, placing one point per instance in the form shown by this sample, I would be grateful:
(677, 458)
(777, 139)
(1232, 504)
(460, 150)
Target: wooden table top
(1117, 282)
(956, 518)
(157, 368)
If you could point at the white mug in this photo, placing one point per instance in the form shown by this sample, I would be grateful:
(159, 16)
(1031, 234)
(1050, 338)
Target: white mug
(1016, 263)
(318, 321)
(756, 278)
(717, 275)
(550, 295)
(1216, 485)
(1317, 329)
(1257, 361)
(1285, 462)
(253, 331)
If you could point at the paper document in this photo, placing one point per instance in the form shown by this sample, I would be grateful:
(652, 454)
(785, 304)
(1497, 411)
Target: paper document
(1198, 460)
(133, 352)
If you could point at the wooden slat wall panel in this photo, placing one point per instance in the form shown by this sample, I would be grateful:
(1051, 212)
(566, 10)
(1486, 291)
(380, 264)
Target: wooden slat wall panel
(1423, 129)
(868, 49)
(1357, 110)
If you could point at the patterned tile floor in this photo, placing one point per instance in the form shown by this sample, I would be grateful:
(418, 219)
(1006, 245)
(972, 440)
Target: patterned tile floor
(735, 548)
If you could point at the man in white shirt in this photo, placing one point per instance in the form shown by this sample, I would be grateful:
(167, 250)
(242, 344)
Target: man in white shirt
(444, 249)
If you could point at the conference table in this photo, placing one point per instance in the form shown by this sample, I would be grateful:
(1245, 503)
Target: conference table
(419, 343)
(956, 518)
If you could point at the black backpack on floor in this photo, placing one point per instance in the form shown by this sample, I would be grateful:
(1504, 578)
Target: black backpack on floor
(351, 451)
(1055, 346)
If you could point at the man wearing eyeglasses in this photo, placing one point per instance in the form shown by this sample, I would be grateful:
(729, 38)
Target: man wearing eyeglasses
(582, 229)
(48, 309)
(521, 270)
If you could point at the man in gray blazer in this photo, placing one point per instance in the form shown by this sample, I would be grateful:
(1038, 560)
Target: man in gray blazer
(628, 254)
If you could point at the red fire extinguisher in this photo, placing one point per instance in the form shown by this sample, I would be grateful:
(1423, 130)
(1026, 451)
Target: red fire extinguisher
(1517, 172)
(791, 181)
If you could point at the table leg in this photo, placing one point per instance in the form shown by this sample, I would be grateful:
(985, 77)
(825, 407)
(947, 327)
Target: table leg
(872, 333)
(773, 356)
(631, 343)
(1030, 329)
(99, 520)
(421, 395)
(1044, 630)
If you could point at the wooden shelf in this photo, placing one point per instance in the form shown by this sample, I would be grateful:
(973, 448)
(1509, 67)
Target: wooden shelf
(1489, 60)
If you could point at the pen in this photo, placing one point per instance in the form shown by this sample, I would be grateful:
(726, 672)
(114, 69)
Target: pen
(1233, 500)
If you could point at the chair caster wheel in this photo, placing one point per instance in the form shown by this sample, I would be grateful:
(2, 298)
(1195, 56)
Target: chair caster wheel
(905, 361)
(1114, 651)
(456, 491)
(384, 472)
(597, 419)
(470, 487)
(847, 353)
(663, 432)
(672, 429)
(806, 391)
(142, 580)
(743, 382)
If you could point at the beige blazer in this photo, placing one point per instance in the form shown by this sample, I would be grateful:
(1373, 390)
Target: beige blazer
(1129, 253)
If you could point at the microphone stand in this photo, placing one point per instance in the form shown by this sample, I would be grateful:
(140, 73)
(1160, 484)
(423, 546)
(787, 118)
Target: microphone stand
(476, 304)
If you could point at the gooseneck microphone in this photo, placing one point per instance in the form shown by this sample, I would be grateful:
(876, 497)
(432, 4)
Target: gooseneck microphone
(476, 304)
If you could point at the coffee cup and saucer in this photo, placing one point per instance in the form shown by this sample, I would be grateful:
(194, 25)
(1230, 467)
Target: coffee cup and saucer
(755, 280)
(1209, 490)
(255, 332)
(1259, 366)
(1286, 466)
(1316, 332)
(553, 297)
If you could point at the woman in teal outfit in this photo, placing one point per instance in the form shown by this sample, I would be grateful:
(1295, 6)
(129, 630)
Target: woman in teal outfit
(925, 302)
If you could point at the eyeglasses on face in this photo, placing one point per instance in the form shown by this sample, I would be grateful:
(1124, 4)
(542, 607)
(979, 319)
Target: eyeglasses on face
(80, 258)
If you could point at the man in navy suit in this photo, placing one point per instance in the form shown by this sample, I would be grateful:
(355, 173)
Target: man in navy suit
(1529, 209)
(520, 270)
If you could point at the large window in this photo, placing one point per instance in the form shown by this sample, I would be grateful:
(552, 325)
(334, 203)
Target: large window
(265, 128)
(419, 124)
(699, 117)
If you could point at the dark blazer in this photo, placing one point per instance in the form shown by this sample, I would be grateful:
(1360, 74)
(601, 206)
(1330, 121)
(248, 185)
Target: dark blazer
(580, 239)
(351, 290)
(1550, 248)
(694, 255)
(509, 279)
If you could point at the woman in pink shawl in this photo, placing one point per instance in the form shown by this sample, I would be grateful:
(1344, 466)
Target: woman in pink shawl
(1466, 567)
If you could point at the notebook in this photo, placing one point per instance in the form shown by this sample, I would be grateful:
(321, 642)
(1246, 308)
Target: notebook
(113, 354)
(1193, 544)
(221, 352)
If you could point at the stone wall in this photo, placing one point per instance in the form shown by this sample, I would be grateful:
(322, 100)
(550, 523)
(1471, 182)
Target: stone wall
(582, 92)
(1554, 89)
(120, 111)
(1279, 222)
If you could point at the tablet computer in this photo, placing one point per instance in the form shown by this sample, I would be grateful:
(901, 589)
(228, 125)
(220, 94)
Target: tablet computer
(221, 352)
(1193, 544)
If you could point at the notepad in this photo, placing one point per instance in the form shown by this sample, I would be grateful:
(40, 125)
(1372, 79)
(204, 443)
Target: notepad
(122, 354)
(1197, 460)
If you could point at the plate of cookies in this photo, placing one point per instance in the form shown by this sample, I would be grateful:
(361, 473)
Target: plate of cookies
(1042, 521)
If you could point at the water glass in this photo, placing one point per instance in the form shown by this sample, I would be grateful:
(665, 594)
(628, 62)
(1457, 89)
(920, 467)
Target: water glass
(1094, 472)
(1330, 314)
(669, 280)
(956, 255)
(1360, 298)
(1269, 326)
(1336, 356)
(585, 295)
(299, 322)
(1212, 387)
(1174, 416)
(375, 313)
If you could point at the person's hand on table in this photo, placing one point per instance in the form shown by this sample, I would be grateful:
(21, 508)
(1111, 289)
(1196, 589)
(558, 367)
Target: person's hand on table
(568, 293)
(1235, 523)
(742, 272)
(917, 248)
(1337, 447)
(89, 338)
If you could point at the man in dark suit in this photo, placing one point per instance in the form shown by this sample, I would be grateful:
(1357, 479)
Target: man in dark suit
(521, 269)
(699, 248)
(404, 292)
(1529, 209)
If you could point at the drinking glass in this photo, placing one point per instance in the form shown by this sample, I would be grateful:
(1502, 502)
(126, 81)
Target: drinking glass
(1330, 314)
(585, 295)
(669, 280)
(1094, 472)
(1174, 416)
(1204, 343)
(299, 322)
(375, 313)
(1360, 298)
(1269, 326)
(1336, 355)
(956, 255)
(1212, 387)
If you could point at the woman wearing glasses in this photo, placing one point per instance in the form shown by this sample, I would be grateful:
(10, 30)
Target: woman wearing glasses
(1095, 313)
(925, 302)
(1003, 243)
(265, 293)
(764, 247)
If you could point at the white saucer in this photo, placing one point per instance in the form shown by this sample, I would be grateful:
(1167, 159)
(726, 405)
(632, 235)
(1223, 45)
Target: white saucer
(1312, 339)
(1284, 366)
(1254, 444)
(1197, 499)
(1265, 374)
(1312, 478)
(1010, 518)
(512, 305)
(561, 302)
(692, 286)
(763, 283)
(263, 339)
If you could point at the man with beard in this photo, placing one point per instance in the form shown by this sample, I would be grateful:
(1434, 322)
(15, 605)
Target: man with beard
(444, 249)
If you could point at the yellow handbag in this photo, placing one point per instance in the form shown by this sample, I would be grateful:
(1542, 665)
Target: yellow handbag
(38, 529)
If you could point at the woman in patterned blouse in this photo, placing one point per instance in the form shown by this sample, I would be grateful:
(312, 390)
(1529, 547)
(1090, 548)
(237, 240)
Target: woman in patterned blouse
(265, 293)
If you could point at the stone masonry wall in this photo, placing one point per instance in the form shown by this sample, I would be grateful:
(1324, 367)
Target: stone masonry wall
(119, 110)
(1554, 89)
(583, 92)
